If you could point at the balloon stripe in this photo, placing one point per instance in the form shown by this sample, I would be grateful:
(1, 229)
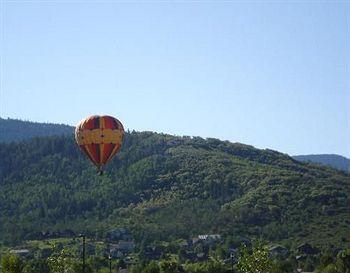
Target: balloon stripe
(97, 123)
(90, 154)
(109, 122)
(116, 125)
(102, 122)
(102, 145)
(107, 152)
(115, 150)
(113, 123)
(93, 152)
(99, 136)
(89, 123)
(83, 148)
(101, 150)
(120, 125)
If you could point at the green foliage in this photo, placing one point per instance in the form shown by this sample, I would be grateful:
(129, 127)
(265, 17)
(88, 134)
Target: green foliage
(215, 266)
(341, 264)
(62, 262)
(152, 267)
(36, 266)
(136, 268)
(163, 187)
(195, 268)
(343, 261)
(15, 130)
(211, 266)
(11, 264)
(97, 262)
(283, 266)
(331, 268)
(256, 261)
(169, 267)
(335, 161)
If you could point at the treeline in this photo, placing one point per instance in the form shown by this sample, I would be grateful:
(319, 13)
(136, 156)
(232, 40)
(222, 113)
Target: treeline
(16, 130)
(335, 161)
(255, 259)
(164, 187)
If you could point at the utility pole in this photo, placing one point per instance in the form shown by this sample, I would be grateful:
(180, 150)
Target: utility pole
(232, 257)
(83, 236)
(110, 263)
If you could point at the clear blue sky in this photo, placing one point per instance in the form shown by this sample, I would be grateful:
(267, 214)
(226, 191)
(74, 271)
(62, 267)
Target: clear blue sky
(272, 75)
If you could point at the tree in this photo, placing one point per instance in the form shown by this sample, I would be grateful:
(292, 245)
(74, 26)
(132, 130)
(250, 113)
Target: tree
(62, 262)
(36, 266)
(331, 268)
(97, 262)
(343, 261)
(168, 267)
(136, 269)
(195, 268)
(284, 266)
(11, 264)
(152, 267)
(255, 262)
(341, 265)
(215, 266)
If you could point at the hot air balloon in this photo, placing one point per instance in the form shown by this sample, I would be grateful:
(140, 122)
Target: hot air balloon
(100, 138)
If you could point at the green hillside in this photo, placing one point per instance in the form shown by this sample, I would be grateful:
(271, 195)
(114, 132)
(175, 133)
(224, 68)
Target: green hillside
(16, 130)
(164, 187)
(335, 161)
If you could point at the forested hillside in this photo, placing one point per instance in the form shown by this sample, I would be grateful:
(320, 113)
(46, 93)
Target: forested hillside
(165, 187)
(335, 161)
(15, 130)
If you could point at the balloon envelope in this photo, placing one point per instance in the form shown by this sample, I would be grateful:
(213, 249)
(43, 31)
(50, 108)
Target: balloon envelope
(100, 138)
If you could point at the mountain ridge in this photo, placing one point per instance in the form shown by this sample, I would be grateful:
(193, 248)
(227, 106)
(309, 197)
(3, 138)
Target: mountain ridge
(334, 160)
(10, 127)
(17, 130)
(162, 186)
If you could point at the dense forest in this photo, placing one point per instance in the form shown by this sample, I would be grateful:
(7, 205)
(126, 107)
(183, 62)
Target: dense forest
(336, 161)
(163, 187)
(16, 130)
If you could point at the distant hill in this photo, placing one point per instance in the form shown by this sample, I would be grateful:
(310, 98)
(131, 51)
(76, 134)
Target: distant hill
(335, 161)
(15, 130)
(162, 186)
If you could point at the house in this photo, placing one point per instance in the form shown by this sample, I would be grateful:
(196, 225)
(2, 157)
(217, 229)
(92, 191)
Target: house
(68, 233)
(301, 271)
(278, 251)
(190, 255)
(233, 250)
(116, 254)
(20, 252)
(129, 261)
(195, 240)
(184, 244)
(153, 253)
(300, 258)
(125, 246)
(45, 252)
(90, 249)
(201, 256)
(241, 241)
(209, 237)
(307, 249)
(118, 234)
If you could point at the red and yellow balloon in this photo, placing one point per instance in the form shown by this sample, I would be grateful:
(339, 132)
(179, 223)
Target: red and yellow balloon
(100, 138)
